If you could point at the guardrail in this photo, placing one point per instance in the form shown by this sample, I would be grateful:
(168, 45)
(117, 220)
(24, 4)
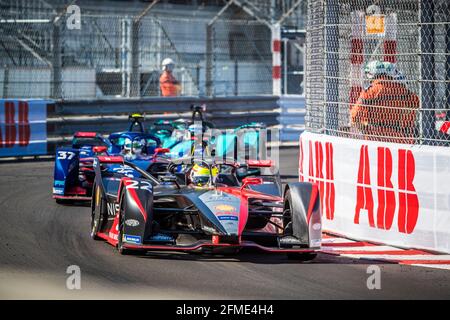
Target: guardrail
(58, 120)
(105, 116)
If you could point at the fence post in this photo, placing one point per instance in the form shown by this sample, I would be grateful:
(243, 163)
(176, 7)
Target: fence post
(209, 60)
(427, 66)
(236, 77)
(276, 59)
(447, 69)
(331, 65)
(135, 75)
(57, 61)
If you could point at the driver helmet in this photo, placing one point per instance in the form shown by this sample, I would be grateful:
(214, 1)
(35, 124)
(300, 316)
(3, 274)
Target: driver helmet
(200, 175)
(138, 146)
(126, 149)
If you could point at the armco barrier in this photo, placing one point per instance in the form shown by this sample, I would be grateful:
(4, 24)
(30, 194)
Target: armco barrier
(53, 123)
(23, 129)
(383, 192)
(106, 116)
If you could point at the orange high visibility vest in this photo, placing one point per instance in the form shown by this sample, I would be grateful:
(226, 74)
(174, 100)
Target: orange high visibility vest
(169, 86)
(387, 108)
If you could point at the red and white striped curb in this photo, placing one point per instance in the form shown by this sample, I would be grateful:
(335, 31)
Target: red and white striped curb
(365, 250)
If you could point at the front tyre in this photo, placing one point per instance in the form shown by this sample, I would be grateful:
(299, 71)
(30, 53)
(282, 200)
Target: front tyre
(95, 213)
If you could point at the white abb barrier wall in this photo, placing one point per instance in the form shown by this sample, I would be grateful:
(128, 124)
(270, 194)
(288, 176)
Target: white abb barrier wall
(382, 192)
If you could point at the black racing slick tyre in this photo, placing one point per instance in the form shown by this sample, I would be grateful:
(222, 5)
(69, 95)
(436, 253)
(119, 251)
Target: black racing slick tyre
(95, 213)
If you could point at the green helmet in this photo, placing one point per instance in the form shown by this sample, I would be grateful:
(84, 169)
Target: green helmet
(377, 68)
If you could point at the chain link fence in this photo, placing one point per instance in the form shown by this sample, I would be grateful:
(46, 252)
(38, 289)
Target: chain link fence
(379, 70)
(119, 54)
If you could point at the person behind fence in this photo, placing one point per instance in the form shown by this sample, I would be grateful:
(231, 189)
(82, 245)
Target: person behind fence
(169, 85)
(386, 109)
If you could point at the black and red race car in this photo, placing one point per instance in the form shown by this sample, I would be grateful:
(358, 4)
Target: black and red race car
(136, 212)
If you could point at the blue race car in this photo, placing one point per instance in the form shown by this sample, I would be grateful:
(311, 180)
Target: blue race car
(73, 173)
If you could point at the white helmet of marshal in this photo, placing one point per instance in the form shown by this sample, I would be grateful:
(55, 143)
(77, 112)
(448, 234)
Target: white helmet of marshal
(168, 63)
(378, 68)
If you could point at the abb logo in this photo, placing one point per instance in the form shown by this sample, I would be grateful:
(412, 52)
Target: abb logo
(13, 131)
(321, 171)
(408, 201)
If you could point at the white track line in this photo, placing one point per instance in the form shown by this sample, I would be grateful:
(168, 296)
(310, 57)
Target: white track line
(415, 258)
(363, 249)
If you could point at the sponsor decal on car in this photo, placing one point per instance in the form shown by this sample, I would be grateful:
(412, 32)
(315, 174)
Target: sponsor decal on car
(58, 191)
(160, 237)
(132, 222)
(57, 183)
(132, 239)
(233, 218)
(224, 207)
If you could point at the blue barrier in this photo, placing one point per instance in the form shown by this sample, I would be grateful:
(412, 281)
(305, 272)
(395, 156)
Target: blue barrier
(23, 127)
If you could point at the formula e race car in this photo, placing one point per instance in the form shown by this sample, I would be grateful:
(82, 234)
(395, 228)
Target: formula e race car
(74, 174)
(137, 212)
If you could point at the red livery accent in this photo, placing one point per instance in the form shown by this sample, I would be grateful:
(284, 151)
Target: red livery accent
(312, 201)
(99, 149)
(76, 191)
(161, 150)
(113, 159)
(84, 134)
(135, 197)
(260, 163)
(198, 245)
